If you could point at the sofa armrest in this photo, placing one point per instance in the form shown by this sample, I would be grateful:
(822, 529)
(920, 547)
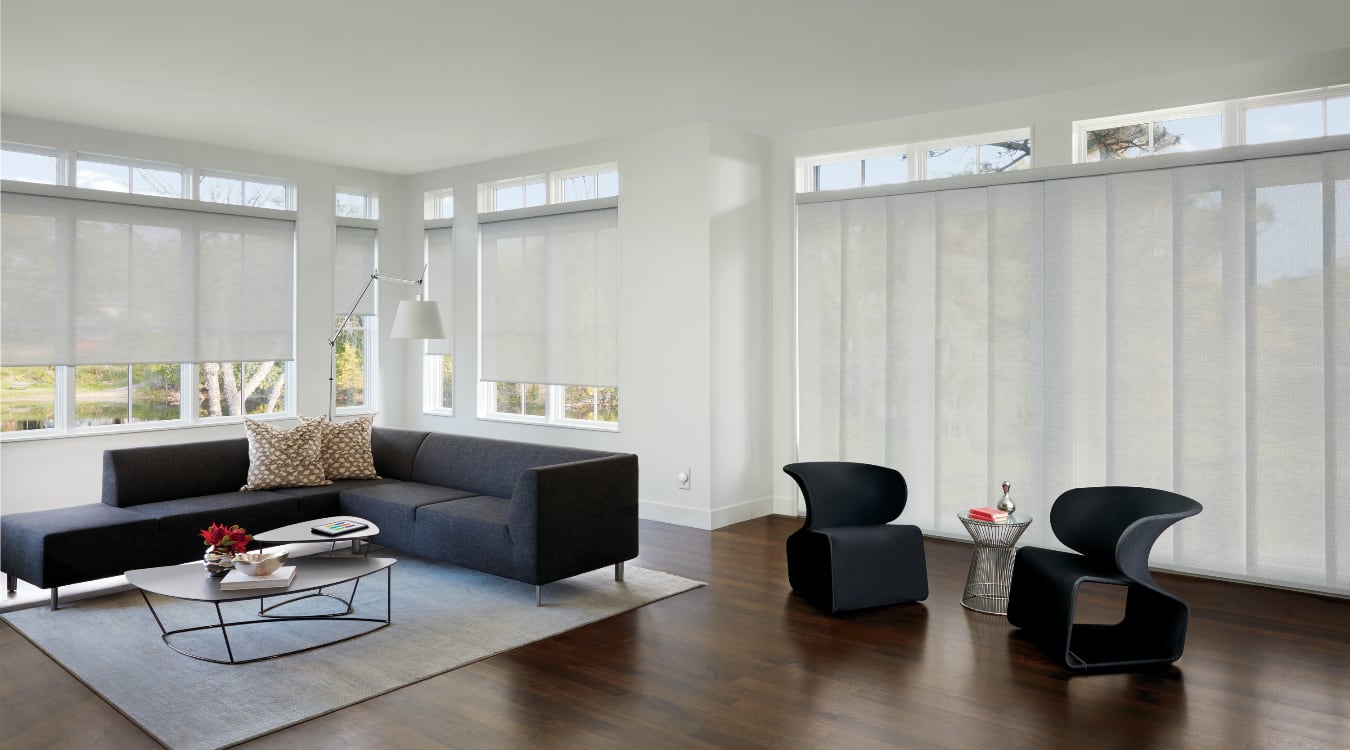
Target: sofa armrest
(569, 518)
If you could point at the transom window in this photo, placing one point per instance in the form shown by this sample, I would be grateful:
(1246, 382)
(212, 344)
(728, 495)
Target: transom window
(565, 186)
(952, 157)
(1263, 119)
(357, 204)
(438, 204)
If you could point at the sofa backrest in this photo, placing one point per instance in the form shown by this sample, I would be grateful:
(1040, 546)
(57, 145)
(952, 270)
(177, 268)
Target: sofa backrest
(395, 450)
(484, 465)
(133, 476)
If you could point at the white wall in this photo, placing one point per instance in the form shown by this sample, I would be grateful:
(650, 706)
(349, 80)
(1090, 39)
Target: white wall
(1050, 118)
(58, 472)
(666, 352)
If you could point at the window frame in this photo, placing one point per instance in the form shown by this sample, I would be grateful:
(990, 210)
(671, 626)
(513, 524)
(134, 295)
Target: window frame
(432, 200)
(916, 157)
(369, 328)
(370, 202)
(64, 397)
(554, 414)
(433, 387)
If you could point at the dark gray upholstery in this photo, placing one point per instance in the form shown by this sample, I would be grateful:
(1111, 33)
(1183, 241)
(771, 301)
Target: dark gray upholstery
(536, 513)
(62, 546)
(848, 554)
(393, 508)
(133, 476)
(180, 520)
(395, 450)
(472, 532)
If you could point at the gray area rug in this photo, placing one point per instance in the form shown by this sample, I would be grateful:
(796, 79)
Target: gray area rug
(443, 617)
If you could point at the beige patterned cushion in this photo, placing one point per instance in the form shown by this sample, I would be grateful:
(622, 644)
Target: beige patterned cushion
(346, 448)
(279, 457)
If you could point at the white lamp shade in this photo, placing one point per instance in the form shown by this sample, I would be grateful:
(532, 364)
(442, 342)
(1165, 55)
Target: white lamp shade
(417, 319)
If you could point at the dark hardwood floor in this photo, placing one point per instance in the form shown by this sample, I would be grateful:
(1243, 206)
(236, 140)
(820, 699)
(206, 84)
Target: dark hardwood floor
(742, 663)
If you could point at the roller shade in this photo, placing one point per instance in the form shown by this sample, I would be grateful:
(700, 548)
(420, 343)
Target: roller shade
(87, 282)
(353, 263)
(550, 299)
(440, 283)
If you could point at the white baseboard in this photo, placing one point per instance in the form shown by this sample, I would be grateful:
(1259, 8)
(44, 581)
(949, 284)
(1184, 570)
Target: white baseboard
(700, 518)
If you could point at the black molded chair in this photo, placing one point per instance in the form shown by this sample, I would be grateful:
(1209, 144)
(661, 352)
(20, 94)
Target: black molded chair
(1113, 530)
(847, 555)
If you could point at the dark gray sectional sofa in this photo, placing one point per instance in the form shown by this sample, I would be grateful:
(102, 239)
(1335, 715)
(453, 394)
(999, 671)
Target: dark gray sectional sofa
(534, 513)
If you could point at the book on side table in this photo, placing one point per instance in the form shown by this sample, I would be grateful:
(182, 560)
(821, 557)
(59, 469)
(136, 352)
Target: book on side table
(277, 579)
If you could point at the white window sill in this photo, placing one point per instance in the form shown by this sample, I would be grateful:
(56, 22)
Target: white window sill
(541, 422)
(123, 429)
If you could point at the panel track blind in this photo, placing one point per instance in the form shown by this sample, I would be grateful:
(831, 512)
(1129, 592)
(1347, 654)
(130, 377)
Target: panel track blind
(550, 299)
(86, 282)
(353, 263)
(440, 284)
(1185, 328)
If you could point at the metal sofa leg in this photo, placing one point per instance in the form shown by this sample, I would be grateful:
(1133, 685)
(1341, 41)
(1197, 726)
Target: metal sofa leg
(11, 583)
(538, 596)
(55, 602)
(618, 572)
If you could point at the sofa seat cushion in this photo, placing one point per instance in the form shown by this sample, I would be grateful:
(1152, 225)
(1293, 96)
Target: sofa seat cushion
(392, 506)
(471, 531)
(68, 545)
(181, 520)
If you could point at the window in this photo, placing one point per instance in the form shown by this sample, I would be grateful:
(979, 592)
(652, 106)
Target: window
(244, 190)
(1310, 114)
(578, 406)
(548, 306)
(355, 258)
(991, 152)
(87, 283)
(1262, 119)
(438, 204)
(1172, 325)
(354, 204)
(124, 175)
(45, 166)
(582, 184)
(438, 392)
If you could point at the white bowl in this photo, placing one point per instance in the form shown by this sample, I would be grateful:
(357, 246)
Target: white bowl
(259, 563)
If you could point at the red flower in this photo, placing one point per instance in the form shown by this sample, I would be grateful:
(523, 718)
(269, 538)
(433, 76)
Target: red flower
(226, 539)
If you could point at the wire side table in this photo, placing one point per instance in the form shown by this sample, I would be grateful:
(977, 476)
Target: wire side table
(991, 564)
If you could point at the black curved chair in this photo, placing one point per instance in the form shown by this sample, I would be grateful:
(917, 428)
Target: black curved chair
(1112, 529)
(847, 555)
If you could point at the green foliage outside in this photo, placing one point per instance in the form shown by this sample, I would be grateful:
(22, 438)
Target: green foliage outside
(350, 350)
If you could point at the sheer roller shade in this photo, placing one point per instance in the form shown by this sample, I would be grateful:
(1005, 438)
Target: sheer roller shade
(353, 263)
(87, 282)
(440, 284)
(550, 299)
(1182, 328)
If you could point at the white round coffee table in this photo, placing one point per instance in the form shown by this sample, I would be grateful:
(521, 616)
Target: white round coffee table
(304, 532)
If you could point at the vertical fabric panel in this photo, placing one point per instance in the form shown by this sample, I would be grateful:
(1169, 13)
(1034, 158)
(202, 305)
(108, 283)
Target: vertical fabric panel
(353, 263)
(862, 331)
(1286, 418)
(440, 284)
(93, 283)
(1075, 333)
(1016, 242)
(820, 242)
(550, 299)
(1210, 363)
(911, 352)
(1338, 360)
(963, 341)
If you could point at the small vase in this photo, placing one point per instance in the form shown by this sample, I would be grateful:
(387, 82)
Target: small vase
(218, 562)
(1006, 504)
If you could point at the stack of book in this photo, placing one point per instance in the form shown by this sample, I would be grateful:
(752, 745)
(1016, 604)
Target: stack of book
(993, 515)
(280, 578)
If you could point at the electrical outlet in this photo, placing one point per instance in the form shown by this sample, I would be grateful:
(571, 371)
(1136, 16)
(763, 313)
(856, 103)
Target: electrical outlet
(682, 478)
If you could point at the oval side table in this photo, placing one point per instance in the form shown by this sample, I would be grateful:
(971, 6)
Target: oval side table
(991, 564)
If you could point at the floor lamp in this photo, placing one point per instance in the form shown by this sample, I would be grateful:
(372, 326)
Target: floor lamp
(415, 319)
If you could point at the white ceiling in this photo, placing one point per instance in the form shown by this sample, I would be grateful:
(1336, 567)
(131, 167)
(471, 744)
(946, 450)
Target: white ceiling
(407, 86)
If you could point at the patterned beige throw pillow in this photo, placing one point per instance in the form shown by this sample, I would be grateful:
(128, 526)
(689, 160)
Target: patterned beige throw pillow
(279, 457)
(346, 449)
